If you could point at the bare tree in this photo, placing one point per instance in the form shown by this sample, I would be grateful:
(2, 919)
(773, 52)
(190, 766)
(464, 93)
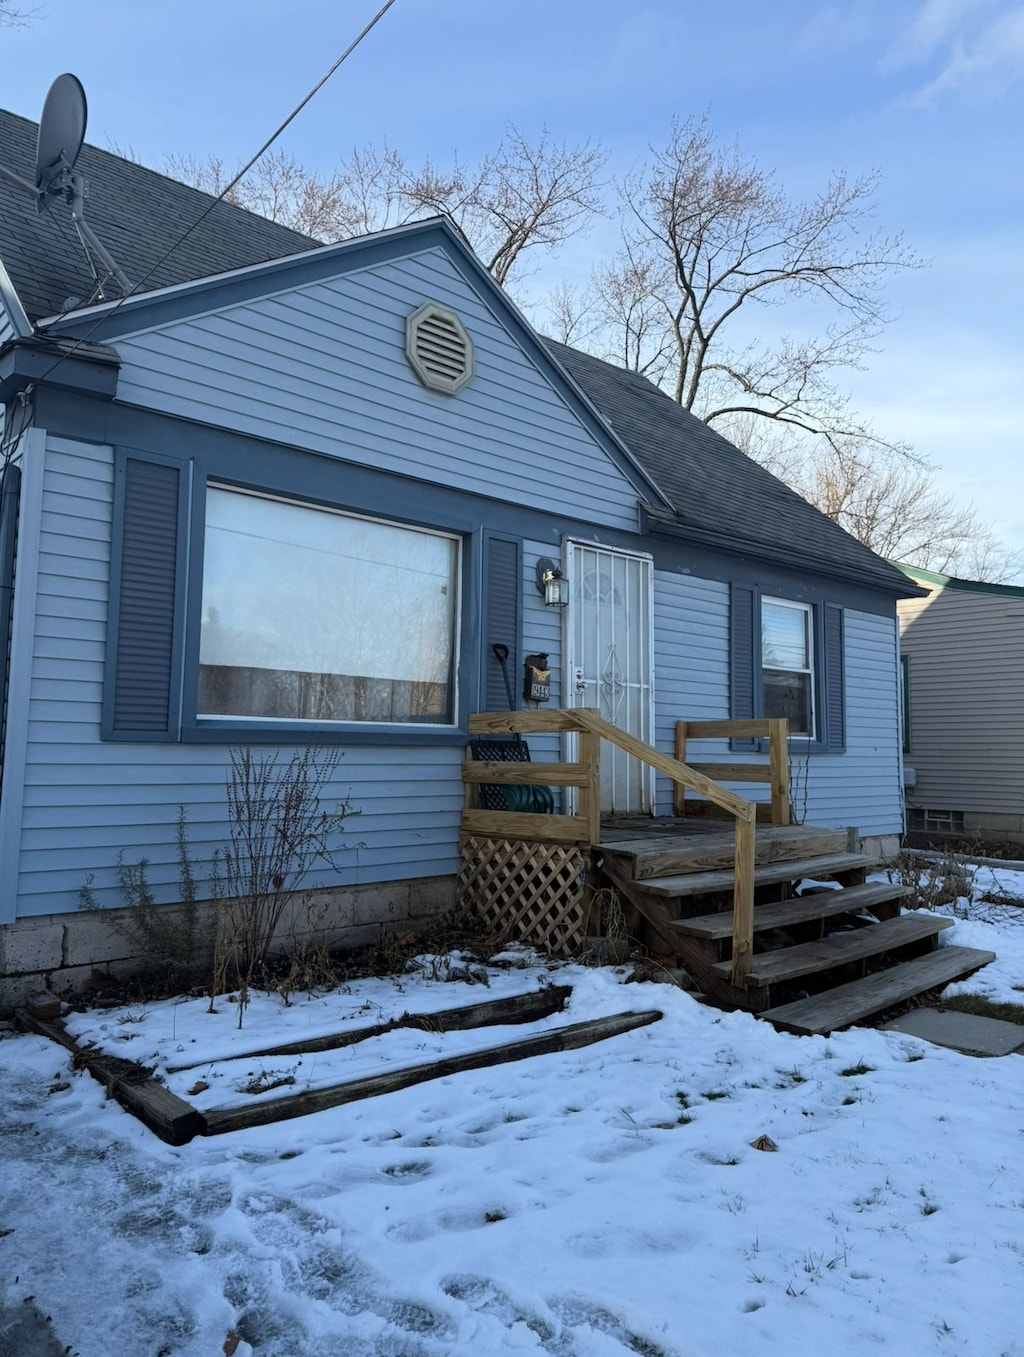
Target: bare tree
(11, 17)
(709, 243)
(887, 502)
(527, 195)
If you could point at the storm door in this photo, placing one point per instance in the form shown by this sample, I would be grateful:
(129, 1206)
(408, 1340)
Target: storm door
(609, 661)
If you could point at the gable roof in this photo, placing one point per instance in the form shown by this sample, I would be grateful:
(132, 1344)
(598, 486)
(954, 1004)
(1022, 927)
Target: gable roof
(718, 495)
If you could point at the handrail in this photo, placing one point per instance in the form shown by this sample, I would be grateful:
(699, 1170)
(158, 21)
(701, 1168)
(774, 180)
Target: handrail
(775, 772)
(591, 728)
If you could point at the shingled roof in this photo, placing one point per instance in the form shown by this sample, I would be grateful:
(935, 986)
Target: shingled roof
(137, 214)
(719, 496)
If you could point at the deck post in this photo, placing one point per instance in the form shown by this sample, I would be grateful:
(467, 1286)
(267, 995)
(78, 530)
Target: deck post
(743, 896)
(588, 752)
(778, 766)
(678, 790)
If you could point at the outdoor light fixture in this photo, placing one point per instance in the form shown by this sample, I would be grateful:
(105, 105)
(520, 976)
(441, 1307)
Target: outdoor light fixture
(552, 584)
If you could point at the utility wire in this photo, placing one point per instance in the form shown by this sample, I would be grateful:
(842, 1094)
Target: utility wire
(139, 286)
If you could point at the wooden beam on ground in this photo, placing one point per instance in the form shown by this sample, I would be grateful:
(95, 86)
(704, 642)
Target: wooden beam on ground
(169, 1117)
(219, 1120)
(518, 1008)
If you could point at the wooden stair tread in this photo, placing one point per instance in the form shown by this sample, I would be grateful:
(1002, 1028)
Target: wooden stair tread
(846, 1004)
(789, 963)
(685, 854)
(703, 883)
(800, 909)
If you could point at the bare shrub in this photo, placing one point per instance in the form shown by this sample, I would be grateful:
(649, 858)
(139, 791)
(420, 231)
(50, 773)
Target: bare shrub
(279, 832)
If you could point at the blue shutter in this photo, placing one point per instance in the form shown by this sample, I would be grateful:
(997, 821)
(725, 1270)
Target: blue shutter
(744, 659)
(502, 610)
(143, 673)
(834, 684)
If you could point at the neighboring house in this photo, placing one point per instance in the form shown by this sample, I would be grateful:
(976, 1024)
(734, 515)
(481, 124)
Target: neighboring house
(289, 493)
(962, 657)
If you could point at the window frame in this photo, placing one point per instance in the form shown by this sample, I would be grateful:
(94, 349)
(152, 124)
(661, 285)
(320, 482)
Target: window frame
(811, 634)
(165, 674)
(348, 724)
(746, 686)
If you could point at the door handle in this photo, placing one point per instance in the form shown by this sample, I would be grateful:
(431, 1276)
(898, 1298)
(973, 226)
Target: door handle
(580, 681)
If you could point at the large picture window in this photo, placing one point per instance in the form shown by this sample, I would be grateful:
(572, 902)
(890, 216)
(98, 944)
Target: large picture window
(787, 663)
(314, 615)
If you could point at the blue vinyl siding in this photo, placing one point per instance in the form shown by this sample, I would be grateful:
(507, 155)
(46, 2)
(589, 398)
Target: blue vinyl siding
(85, 800)
(323, 367)
(859, 787)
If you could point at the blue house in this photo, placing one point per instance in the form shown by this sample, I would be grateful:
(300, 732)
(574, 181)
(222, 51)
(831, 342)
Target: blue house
(284, 493)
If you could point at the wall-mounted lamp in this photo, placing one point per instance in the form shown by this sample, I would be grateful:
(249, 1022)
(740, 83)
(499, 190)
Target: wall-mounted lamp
(552, 583)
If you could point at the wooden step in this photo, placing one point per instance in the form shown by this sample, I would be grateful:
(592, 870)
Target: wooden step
(704, 883)
(665, 854)
(846, 1004)
(800, 910)
(789, 963)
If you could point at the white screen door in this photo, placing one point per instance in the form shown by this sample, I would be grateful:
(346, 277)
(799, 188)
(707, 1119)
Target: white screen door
(609, 661)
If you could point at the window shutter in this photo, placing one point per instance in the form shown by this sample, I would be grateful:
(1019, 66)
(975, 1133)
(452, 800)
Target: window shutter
(141, 701)
(834, 685)
(744, 660)
(501, 619)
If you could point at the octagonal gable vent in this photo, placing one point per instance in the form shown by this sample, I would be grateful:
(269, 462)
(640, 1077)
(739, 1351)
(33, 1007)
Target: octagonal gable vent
(438, 347)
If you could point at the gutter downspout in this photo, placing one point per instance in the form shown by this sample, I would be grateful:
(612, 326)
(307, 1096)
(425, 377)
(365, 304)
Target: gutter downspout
(10, 499)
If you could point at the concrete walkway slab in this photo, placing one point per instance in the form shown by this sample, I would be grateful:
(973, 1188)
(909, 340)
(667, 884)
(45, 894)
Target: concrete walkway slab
(968, 1033)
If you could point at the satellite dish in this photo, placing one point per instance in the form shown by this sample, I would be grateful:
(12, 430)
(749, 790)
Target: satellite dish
(61, 133)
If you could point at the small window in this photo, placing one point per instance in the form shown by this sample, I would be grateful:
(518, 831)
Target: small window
(787, 663)
(944, 821)
(310, 614)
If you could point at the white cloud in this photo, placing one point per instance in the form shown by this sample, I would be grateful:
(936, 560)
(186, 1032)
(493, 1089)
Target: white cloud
(938, 22)
(974, 47)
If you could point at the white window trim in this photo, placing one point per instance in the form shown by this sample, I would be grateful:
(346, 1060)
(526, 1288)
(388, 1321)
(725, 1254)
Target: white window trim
(808, 610)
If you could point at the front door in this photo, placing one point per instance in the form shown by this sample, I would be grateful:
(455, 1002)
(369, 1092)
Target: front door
(609, 661)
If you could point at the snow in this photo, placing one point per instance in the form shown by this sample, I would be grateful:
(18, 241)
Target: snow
(592, 1203)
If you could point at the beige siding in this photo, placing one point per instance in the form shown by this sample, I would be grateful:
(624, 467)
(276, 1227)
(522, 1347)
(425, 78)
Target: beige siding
(966, 654)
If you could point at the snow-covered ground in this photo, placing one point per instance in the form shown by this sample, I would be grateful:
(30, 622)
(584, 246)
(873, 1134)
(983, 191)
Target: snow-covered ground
(594, 1203)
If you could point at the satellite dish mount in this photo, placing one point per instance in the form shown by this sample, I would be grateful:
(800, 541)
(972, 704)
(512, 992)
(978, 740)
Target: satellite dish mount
(61, 134)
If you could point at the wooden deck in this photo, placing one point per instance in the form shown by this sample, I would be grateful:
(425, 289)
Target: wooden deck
(834, 954)
(721, 885)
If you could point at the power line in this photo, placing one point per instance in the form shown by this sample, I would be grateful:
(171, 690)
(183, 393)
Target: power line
(139, 286)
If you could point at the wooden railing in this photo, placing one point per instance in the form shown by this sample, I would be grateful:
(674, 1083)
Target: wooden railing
(775, 771)
(584, 774)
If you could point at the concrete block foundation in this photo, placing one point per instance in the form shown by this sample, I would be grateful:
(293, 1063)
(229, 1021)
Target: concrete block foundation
(68, 953)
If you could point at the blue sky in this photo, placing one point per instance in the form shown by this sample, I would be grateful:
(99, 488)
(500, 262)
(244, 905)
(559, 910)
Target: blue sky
(930, 93)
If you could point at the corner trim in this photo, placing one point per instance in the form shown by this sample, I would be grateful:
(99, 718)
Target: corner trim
(20, 680)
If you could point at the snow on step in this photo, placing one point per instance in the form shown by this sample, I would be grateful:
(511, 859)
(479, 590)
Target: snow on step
(703, 883)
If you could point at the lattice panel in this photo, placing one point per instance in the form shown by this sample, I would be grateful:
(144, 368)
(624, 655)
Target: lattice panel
(532, 892)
